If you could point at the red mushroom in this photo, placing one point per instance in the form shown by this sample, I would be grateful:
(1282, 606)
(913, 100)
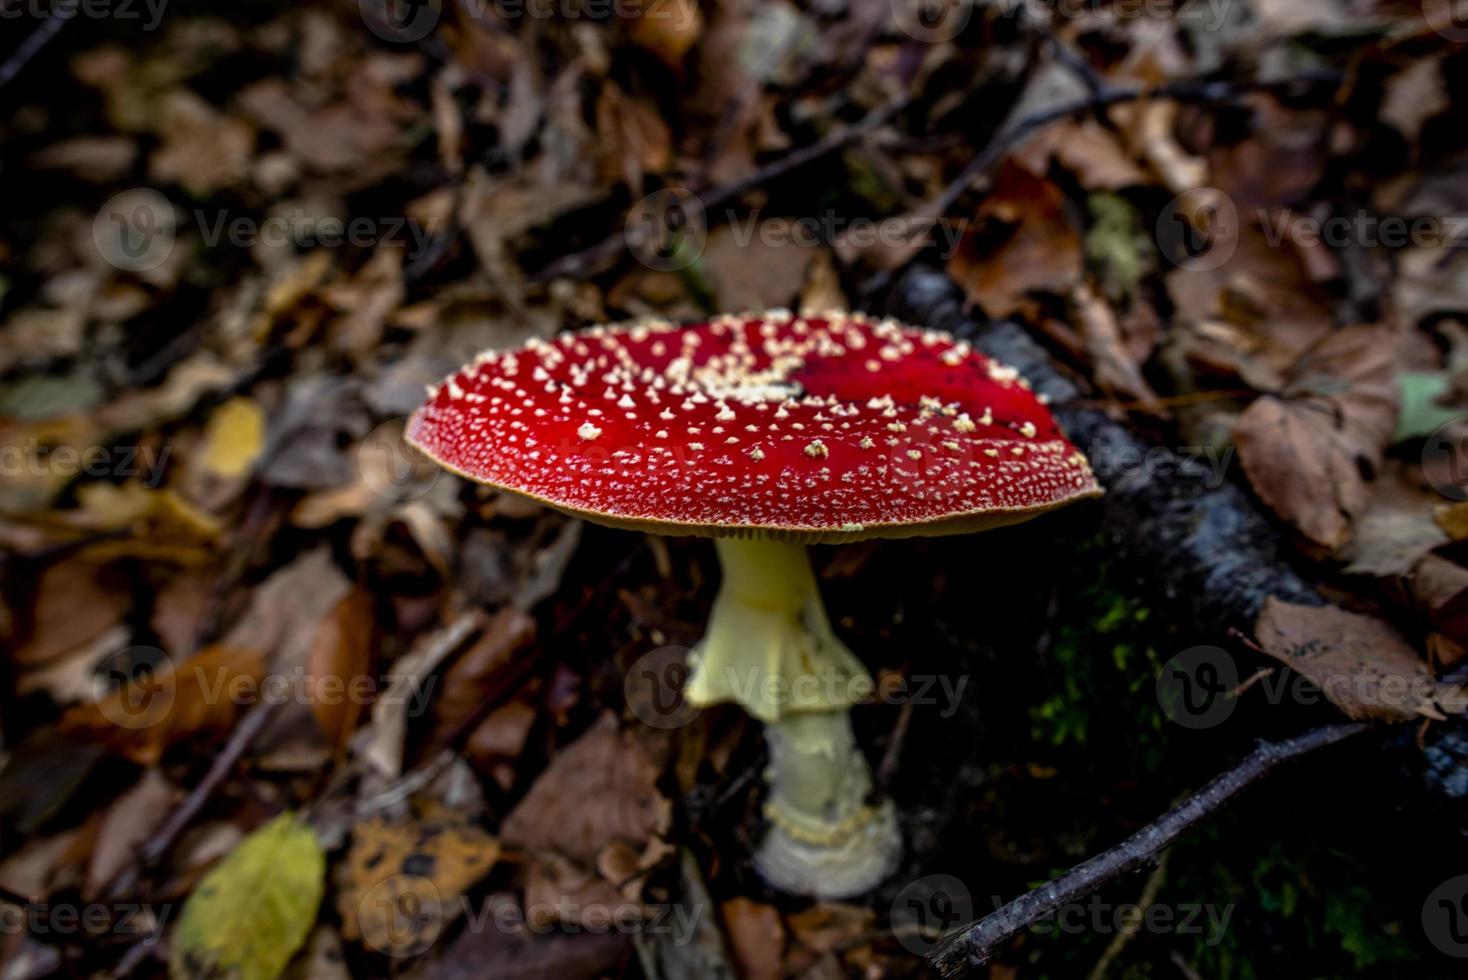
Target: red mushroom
(768, 432)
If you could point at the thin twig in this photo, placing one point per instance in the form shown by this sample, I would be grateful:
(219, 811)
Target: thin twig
(32, 45)
(579, 263)
(159, 843)
(963, 953)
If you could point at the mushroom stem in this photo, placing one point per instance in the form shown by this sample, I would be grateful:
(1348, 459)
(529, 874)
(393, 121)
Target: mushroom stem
(770, 648)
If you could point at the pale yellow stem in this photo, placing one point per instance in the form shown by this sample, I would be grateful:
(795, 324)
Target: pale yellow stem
(770, 648)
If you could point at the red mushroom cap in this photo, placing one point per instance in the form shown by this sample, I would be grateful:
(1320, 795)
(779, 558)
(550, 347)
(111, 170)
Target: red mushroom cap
(828, 427)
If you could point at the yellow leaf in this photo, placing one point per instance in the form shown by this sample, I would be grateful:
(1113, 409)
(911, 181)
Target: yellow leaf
(401, 882)
(252, 912)
(234, 438)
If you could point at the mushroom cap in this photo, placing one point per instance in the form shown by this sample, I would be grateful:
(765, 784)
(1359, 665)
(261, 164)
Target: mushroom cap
(814, 428)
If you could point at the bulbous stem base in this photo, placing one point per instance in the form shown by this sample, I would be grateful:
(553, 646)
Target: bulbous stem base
(825, 838)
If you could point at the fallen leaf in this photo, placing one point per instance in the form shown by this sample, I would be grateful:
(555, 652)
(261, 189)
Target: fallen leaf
(250, 914)
(1390, 540)
(830, 927)
(381, 742)
(73, 607)
(322, 959)
(337, 668)
(667, 28)
(559, 891)
(129, 821)
(1022, 242)
(1087, 149)
(755, 265)
(485, 671)
(1362, 665)
(1440, 587)
(1305, 453)
(483, 953)
(286, 609)
(1414, 96)
(1115, 371)
(599, 789)
(756, 936)
(401, 882)
(196, 699)
(233, 438)
(1453, 519)
(96, 159)
(203, 150)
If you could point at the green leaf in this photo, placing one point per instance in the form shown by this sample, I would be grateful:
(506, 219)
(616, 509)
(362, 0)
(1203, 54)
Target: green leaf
(253, 911)
(1421, 413)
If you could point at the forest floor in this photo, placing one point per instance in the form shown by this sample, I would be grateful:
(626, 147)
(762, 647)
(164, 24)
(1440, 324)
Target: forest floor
(280, 699)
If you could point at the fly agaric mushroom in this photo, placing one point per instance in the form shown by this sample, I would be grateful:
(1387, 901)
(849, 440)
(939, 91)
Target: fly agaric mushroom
(768, 432)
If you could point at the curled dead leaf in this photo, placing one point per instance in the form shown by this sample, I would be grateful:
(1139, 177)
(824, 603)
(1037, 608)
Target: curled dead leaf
(1360, 663)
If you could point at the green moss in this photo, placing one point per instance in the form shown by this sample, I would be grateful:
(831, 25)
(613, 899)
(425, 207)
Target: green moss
(1103, 643)
(1118, 250)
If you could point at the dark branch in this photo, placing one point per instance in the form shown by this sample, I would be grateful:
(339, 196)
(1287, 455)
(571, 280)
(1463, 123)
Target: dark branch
(580, 263)
(31, 46)
(966, 951)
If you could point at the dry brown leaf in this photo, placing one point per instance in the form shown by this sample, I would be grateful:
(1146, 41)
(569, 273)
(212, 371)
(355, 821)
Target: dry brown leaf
(73, 607)
(1023, 242)
(1087, 149)
(287, 607)
(599, 789)
(486, 670)
(829, 927)
(1414, 96)
(1361, 664)
(502, 735)
(1305, 453)
(96, 159)
(400, 883)
(1158, 143)
(203, 150)
(338, 666)
(667, 28)
(1440, 587)
(381, 743)
(338, 138)
(558, 890)
(198, 699)
(129, 821)
(753, 267)
(634, 139)
(482, 953)
(1115, 371)
(756, 936)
